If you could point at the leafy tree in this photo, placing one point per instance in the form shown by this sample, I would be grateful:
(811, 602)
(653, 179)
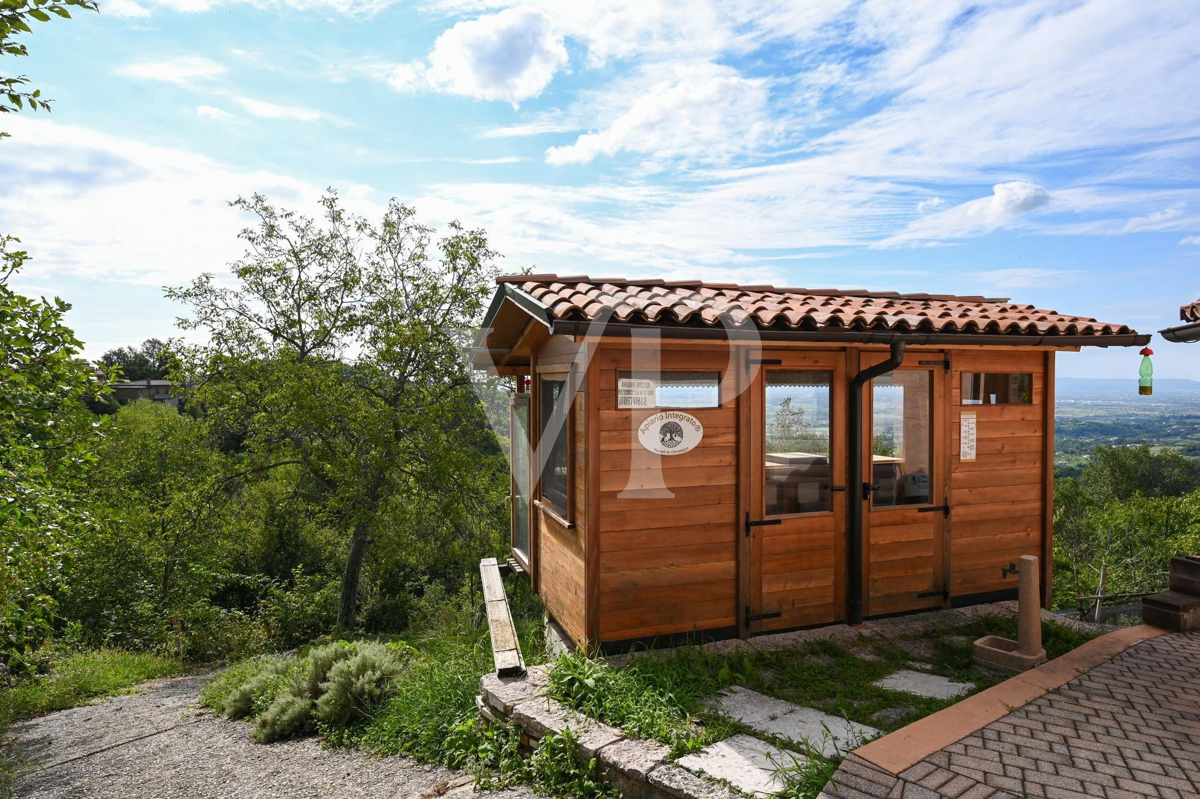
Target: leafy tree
(15, 18)
(45, 449)
(336, 352)
(1118, 524)
(150, 361)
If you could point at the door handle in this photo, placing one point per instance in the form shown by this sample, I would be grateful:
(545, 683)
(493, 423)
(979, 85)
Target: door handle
(868, 488)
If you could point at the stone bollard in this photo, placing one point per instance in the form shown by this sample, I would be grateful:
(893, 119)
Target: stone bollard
(1029, 609)
(1026, 652)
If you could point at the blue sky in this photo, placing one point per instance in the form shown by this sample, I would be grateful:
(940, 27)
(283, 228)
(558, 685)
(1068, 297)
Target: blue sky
(1047, 151)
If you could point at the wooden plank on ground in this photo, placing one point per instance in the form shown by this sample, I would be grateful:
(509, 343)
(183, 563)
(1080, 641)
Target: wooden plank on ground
(506, 649)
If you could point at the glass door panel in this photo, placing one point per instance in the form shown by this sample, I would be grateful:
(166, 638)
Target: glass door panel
(798, 467)
(902, 438)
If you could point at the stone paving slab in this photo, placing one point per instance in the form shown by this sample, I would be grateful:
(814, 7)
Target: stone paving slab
(748, 764)
(821, 732)
(932, 686)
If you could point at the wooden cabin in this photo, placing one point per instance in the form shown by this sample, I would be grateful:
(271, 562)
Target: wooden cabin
(724, 461)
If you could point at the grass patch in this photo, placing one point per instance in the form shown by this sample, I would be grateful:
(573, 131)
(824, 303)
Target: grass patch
(75, 678)
(79, 677)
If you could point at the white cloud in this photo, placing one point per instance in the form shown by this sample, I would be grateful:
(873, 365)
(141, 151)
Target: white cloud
(925, 206)
(1164, 219)
(212, 112)
(101, 206)
(510, 56)
(187, 70)
(265, 110)
(695, 111)
(1023, 278)
(1008, 203)
(127, 9)
(1190, 240)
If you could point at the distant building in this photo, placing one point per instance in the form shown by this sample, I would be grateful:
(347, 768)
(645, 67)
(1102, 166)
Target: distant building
(153, 390)
(1190, 330)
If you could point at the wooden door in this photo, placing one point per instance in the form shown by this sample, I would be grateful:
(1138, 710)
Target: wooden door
(904, 496)
(797, 499)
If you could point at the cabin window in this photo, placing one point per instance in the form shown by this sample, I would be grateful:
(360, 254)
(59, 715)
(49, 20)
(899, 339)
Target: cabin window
(675, 389)
(902, 438)
(798, 469)
(556, 435)
(997, 388)
(520, 476)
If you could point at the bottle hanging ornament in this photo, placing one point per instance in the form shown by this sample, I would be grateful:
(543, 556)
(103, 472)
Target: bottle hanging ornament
(1146, 373)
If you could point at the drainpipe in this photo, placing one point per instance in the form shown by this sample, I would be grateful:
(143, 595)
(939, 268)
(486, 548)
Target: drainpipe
(859, 488)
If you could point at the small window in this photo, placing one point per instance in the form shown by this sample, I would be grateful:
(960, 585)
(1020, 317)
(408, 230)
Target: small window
(902, 438)
(675, 389)
(556, 433)
(997, 388)
(797, 474)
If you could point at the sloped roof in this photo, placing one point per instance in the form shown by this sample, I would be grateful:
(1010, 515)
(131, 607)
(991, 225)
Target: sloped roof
(693, 303)
(1190, 313)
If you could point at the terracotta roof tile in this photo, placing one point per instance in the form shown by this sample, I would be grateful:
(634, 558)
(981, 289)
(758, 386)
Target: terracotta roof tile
(1190, 313)
(696, 303)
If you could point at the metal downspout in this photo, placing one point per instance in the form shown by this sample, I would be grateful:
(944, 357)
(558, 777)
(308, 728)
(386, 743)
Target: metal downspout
(855, 494)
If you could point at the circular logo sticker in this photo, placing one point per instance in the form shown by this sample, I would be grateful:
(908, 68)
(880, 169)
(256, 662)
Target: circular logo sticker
(670, 433)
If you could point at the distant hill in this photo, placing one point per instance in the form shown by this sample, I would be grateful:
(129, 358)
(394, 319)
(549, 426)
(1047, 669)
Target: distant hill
(1081, 387)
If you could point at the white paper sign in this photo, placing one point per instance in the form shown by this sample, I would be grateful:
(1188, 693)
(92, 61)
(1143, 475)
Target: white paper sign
(635, 392)
(670, 433)
(966, 437)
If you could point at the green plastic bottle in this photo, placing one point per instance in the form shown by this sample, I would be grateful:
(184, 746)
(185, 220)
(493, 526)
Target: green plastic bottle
(1146, 373)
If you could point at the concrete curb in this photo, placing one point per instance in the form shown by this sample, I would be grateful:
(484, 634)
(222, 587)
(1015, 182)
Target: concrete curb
(641, 769)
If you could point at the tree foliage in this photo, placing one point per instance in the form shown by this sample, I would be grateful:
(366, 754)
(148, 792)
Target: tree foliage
(336, 352)
(148, 361)
(15, 19)
(45, 449)
(1123, 518)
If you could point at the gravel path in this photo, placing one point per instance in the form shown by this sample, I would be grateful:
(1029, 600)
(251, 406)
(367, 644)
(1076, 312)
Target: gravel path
(158, 744)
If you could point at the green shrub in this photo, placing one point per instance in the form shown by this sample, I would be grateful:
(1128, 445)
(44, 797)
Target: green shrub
(556, 771)
(253, 696)
(301, 613)
(287, 716)
(358, 684)
(317, 664)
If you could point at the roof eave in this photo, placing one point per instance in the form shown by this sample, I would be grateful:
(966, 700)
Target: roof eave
(1182, 334)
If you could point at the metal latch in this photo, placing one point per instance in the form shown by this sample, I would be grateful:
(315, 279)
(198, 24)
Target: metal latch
(1011, 568)
(766, 361)
(944, 509)
(753, 617)
(867, 488)
(763, 523)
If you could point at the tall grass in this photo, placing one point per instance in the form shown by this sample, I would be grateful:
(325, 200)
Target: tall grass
(78, 677)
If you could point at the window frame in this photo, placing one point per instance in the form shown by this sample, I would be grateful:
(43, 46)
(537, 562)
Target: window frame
(634, 373)
(963, 377)
(935, 466)
(523, 558)
(831, 457)
(564, 516)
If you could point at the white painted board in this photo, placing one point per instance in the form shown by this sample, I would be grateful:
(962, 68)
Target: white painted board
(635, 392)
(966, 437)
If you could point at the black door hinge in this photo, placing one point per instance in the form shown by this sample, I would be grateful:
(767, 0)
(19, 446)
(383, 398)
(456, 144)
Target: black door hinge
(763, 523)
(943, 509)
(753, 617)
(767, 361)
(944, 593)
(944, 363)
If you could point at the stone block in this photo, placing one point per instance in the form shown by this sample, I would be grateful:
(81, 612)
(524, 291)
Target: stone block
(920, 684)
(502, 694)
(807, 726)
(635, 757)
(680, 783)
(1004, 653)
(540, 716)
(746, 763)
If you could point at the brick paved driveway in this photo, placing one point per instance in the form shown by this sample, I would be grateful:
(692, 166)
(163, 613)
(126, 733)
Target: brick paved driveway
(1127, 729)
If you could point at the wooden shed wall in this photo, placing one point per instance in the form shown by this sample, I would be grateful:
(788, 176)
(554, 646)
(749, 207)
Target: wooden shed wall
(1001, 500)
(561, 552)
(667, 565)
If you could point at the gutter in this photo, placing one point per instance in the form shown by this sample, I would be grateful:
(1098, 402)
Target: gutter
(859, 490)
(572, 327)
(1183, 334)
